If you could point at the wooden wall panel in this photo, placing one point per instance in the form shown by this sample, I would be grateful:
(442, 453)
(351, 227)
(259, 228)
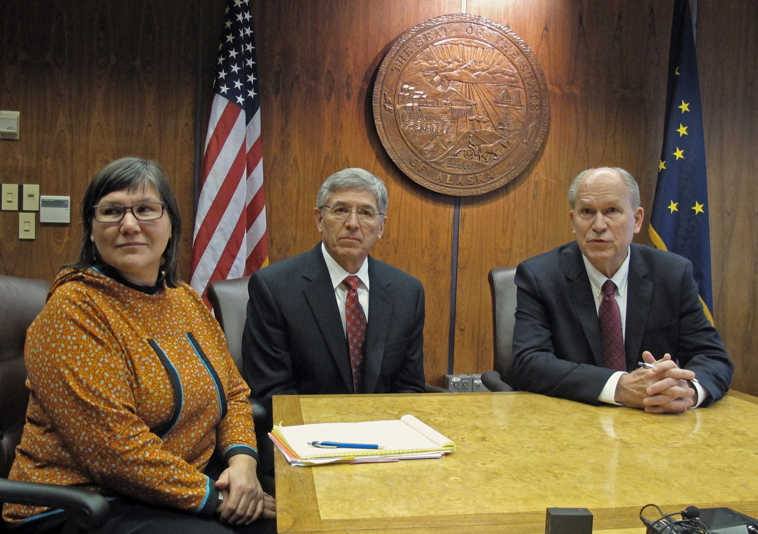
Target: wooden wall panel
(95, 81)
(727, 40)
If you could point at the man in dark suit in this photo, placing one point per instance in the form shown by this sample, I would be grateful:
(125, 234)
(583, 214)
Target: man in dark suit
(295, 338)
(562, 346)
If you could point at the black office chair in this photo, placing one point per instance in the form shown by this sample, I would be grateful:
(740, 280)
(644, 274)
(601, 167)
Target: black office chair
(21, 299)
(503, 289)
(229, 301)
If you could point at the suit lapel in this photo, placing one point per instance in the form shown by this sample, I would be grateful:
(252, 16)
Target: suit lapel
(380, 312)
(581, 295)
(319, 294)
(638, 301)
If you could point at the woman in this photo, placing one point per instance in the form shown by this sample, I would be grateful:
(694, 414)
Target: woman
(133, 391)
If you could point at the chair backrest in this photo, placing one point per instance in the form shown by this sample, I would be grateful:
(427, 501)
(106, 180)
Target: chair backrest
(503, 290)
(21, 299)
(229, 301)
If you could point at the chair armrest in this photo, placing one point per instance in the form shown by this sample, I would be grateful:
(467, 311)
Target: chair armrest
(493, 381)
(260, 414)
(263, 420)
(87, 508)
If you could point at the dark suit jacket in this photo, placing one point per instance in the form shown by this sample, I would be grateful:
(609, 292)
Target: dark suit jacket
(556, 345)
(294, 341)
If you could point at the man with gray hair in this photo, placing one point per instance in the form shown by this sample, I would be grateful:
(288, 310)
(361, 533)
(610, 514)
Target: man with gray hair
(603, 320)
(334, 319)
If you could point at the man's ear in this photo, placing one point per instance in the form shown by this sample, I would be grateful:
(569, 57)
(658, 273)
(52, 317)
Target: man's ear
(319, 218)
(380, 232)
(639, 216)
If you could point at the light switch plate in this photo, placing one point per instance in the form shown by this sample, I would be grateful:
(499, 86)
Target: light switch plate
(30, 197)
(27, 225)
(54, 209)
(10, 125)
(10, 197)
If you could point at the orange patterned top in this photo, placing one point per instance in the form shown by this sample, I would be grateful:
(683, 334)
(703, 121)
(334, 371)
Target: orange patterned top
(131, 393)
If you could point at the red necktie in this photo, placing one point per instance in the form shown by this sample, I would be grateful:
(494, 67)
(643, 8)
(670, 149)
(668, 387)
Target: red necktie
(355, 320)
(614, 355)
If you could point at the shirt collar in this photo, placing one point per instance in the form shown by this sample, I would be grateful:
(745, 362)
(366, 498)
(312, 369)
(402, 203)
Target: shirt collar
(112, 272)
(338, 274)
(597, 279)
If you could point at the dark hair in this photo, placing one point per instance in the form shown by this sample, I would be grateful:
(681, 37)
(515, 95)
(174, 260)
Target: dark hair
(130, 174)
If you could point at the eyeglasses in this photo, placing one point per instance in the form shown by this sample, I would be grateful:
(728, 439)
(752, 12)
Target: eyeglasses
(340, 213)
(113, 213)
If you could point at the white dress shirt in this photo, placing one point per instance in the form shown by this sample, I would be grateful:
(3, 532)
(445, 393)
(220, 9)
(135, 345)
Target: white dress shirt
(338, 275)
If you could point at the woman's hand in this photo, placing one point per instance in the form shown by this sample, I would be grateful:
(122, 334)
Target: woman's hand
(244, 500)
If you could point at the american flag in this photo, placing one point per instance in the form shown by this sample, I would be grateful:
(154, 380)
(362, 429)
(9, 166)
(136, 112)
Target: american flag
(229, 239)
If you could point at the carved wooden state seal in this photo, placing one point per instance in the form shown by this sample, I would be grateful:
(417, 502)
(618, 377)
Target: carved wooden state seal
(460, 104)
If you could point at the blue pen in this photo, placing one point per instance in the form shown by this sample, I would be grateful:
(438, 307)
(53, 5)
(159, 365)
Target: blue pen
(340, 445)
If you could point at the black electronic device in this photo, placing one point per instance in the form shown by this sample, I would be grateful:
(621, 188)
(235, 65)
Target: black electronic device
(693, 520)
(728, 521)
(568, 521)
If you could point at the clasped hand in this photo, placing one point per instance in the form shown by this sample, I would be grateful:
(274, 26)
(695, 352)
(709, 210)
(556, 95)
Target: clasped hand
(244, 499)
(664, 388)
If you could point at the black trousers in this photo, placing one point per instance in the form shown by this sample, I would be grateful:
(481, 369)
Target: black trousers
(132, 517)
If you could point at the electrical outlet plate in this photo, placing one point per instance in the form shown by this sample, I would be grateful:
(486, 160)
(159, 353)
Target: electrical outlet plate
(10, 197)
(27, 225)
(10, 125)
(464, 382)
(30, 197)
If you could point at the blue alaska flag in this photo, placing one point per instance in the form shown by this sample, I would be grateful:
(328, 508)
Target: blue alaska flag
(679, 221)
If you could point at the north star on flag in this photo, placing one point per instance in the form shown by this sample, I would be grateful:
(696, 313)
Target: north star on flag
(679, 222)
(229, 238)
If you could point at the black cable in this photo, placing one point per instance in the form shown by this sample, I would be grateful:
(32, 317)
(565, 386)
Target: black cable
(690, 522)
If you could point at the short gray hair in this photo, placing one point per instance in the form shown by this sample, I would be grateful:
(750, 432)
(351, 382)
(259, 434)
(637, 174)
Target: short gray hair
(354, 178)
(628, 179)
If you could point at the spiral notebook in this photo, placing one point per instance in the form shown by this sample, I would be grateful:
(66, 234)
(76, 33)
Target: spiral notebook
(406, 438)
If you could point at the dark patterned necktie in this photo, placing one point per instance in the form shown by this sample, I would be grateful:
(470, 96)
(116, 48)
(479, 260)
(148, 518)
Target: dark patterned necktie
(608, 315)
(355, 321)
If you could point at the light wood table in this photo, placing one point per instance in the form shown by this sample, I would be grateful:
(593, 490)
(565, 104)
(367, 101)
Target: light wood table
(518, 454)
